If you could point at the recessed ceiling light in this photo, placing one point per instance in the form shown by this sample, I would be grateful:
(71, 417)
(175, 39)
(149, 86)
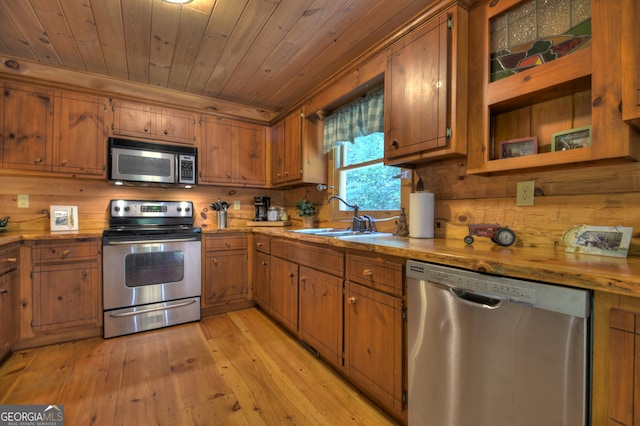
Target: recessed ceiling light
(178, 1)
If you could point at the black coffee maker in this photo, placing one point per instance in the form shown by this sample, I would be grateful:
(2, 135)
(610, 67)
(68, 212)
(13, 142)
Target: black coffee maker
(262, 205)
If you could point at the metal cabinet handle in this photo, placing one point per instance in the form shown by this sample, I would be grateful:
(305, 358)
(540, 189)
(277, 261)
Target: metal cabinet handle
(351, 300)
(367, 272)
(303, 278)
(4, 291)
(291, 274)
(65, 253)
(265, 263)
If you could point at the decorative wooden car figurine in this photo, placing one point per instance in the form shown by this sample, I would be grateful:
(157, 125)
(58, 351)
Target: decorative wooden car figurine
(502, 236)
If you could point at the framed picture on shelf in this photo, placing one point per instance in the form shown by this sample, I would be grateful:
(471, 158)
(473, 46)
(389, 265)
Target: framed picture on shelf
(64, 218)
(579, 137)
(518, 147)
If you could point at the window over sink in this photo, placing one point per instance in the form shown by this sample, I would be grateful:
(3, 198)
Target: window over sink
(354, 133)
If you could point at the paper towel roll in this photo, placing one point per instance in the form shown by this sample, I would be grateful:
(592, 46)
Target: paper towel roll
(421, 215)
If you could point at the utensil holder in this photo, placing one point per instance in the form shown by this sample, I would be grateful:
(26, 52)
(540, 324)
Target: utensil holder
(221, 219)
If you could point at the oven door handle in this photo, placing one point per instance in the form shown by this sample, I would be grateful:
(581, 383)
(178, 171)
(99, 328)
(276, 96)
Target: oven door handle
(158, 308)
(177, 240)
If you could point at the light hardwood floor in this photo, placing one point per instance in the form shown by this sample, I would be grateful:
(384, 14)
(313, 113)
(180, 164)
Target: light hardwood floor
(230, 369)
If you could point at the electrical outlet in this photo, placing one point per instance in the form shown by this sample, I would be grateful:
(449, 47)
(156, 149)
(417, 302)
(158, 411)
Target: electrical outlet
(23, 201)
(236, 204)
(525, 193)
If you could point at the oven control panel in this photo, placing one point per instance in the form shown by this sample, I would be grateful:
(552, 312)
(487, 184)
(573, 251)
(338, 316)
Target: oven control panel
(150, 209)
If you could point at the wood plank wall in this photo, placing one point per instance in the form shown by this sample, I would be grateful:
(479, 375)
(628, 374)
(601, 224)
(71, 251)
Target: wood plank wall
(92, 198)
(599, 195)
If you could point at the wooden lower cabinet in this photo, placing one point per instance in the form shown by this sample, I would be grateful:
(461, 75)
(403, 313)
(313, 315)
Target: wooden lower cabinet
(9, 298)
(262, 279)
(374, 344)
(262, 271)
(358, 326)
(65, 295)
(63, 301)
(284, 293)
(624, 367)
(320, 317)
(225, 284)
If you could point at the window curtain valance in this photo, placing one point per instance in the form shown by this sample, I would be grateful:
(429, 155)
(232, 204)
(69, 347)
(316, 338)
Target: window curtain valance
(356, 119)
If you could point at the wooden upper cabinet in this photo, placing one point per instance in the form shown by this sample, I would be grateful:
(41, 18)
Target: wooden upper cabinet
(579, 89)
(631, 62)
(232, 152)
(53, 131)
(296, 151)
(156, 123)
(425, 92)
(80, 134)
(27, 129)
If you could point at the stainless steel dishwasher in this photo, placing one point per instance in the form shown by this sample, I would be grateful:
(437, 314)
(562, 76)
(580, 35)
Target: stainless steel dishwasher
(492, 351)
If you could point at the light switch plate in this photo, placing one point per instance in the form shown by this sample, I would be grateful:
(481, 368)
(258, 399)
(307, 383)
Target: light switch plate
(236, 204)
(525, 193)
(23, 201)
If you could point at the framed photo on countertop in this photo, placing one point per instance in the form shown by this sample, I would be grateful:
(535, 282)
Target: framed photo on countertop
(63, 218)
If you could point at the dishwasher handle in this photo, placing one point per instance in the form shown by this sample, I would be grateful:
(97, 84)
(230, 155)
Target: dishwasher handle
(475, 299)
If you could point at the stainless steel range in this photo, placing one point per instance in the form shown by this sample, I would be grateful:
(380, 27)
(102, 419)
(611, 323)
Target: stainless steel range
(151, 266)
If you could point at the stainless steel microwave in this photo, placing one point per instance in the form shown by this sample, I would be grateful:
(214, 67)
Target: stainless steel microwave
(140, 162)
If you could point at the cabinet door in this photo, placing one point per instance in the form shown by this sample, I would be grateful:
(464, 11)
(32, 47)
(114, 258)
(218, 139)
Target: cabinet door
(417, 92)
(132, 119)
(65, 295)
(9, 302)
(284, 293)
(216, 151)
(292, 147)
(321, 313)
(261, 279)
(250, 154)
(28, 127)
(80, 134)
(277, 153)
(176, 126)
(225, 275)
(374, 343)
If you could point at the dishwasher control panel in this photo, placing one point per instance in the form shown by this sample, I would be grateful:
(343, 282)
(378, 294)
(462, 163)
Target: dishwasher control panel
(562, 299)
(485, 286)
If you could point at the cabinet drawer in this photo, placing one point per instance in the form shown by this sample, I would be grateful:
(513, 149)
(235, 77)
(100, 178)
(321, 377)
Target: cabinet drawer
(380, 272)
(325, 259)
(64, 251)
(225, 242)
(262, 243)
(8, 259)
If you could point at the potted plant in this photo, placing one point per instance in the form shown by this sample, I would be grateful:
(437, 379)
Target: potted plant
(306, 210)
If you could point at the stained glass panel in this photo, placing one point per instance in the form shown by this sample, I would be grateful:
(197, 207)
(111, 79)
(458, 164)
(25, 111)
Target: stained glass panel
(535, 32)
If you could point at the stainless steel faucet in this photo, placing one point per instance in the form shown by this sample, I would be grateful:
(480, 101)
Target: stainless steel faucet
(356, 226)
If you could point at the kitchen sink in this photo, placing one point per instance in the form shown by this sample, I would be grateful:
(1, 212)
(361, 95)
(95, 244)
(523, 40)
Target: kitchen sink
(312, 230)
(340, 233)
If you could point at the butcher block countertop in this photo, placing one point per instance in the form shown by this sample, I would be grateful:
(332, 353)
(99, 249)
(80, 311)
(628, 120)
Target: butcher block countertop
(609, 274)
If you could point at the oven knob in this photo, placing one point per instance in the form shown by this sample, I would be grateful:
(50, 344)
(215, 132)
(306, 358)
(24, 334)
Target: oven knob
(116, 209)
(179, 208)
(188, 209)
(127, 208)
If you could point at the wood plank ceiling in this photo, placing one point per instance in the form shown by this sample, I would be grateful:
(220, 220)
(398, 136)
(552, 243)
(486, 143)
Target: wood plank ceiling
(263, 53)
